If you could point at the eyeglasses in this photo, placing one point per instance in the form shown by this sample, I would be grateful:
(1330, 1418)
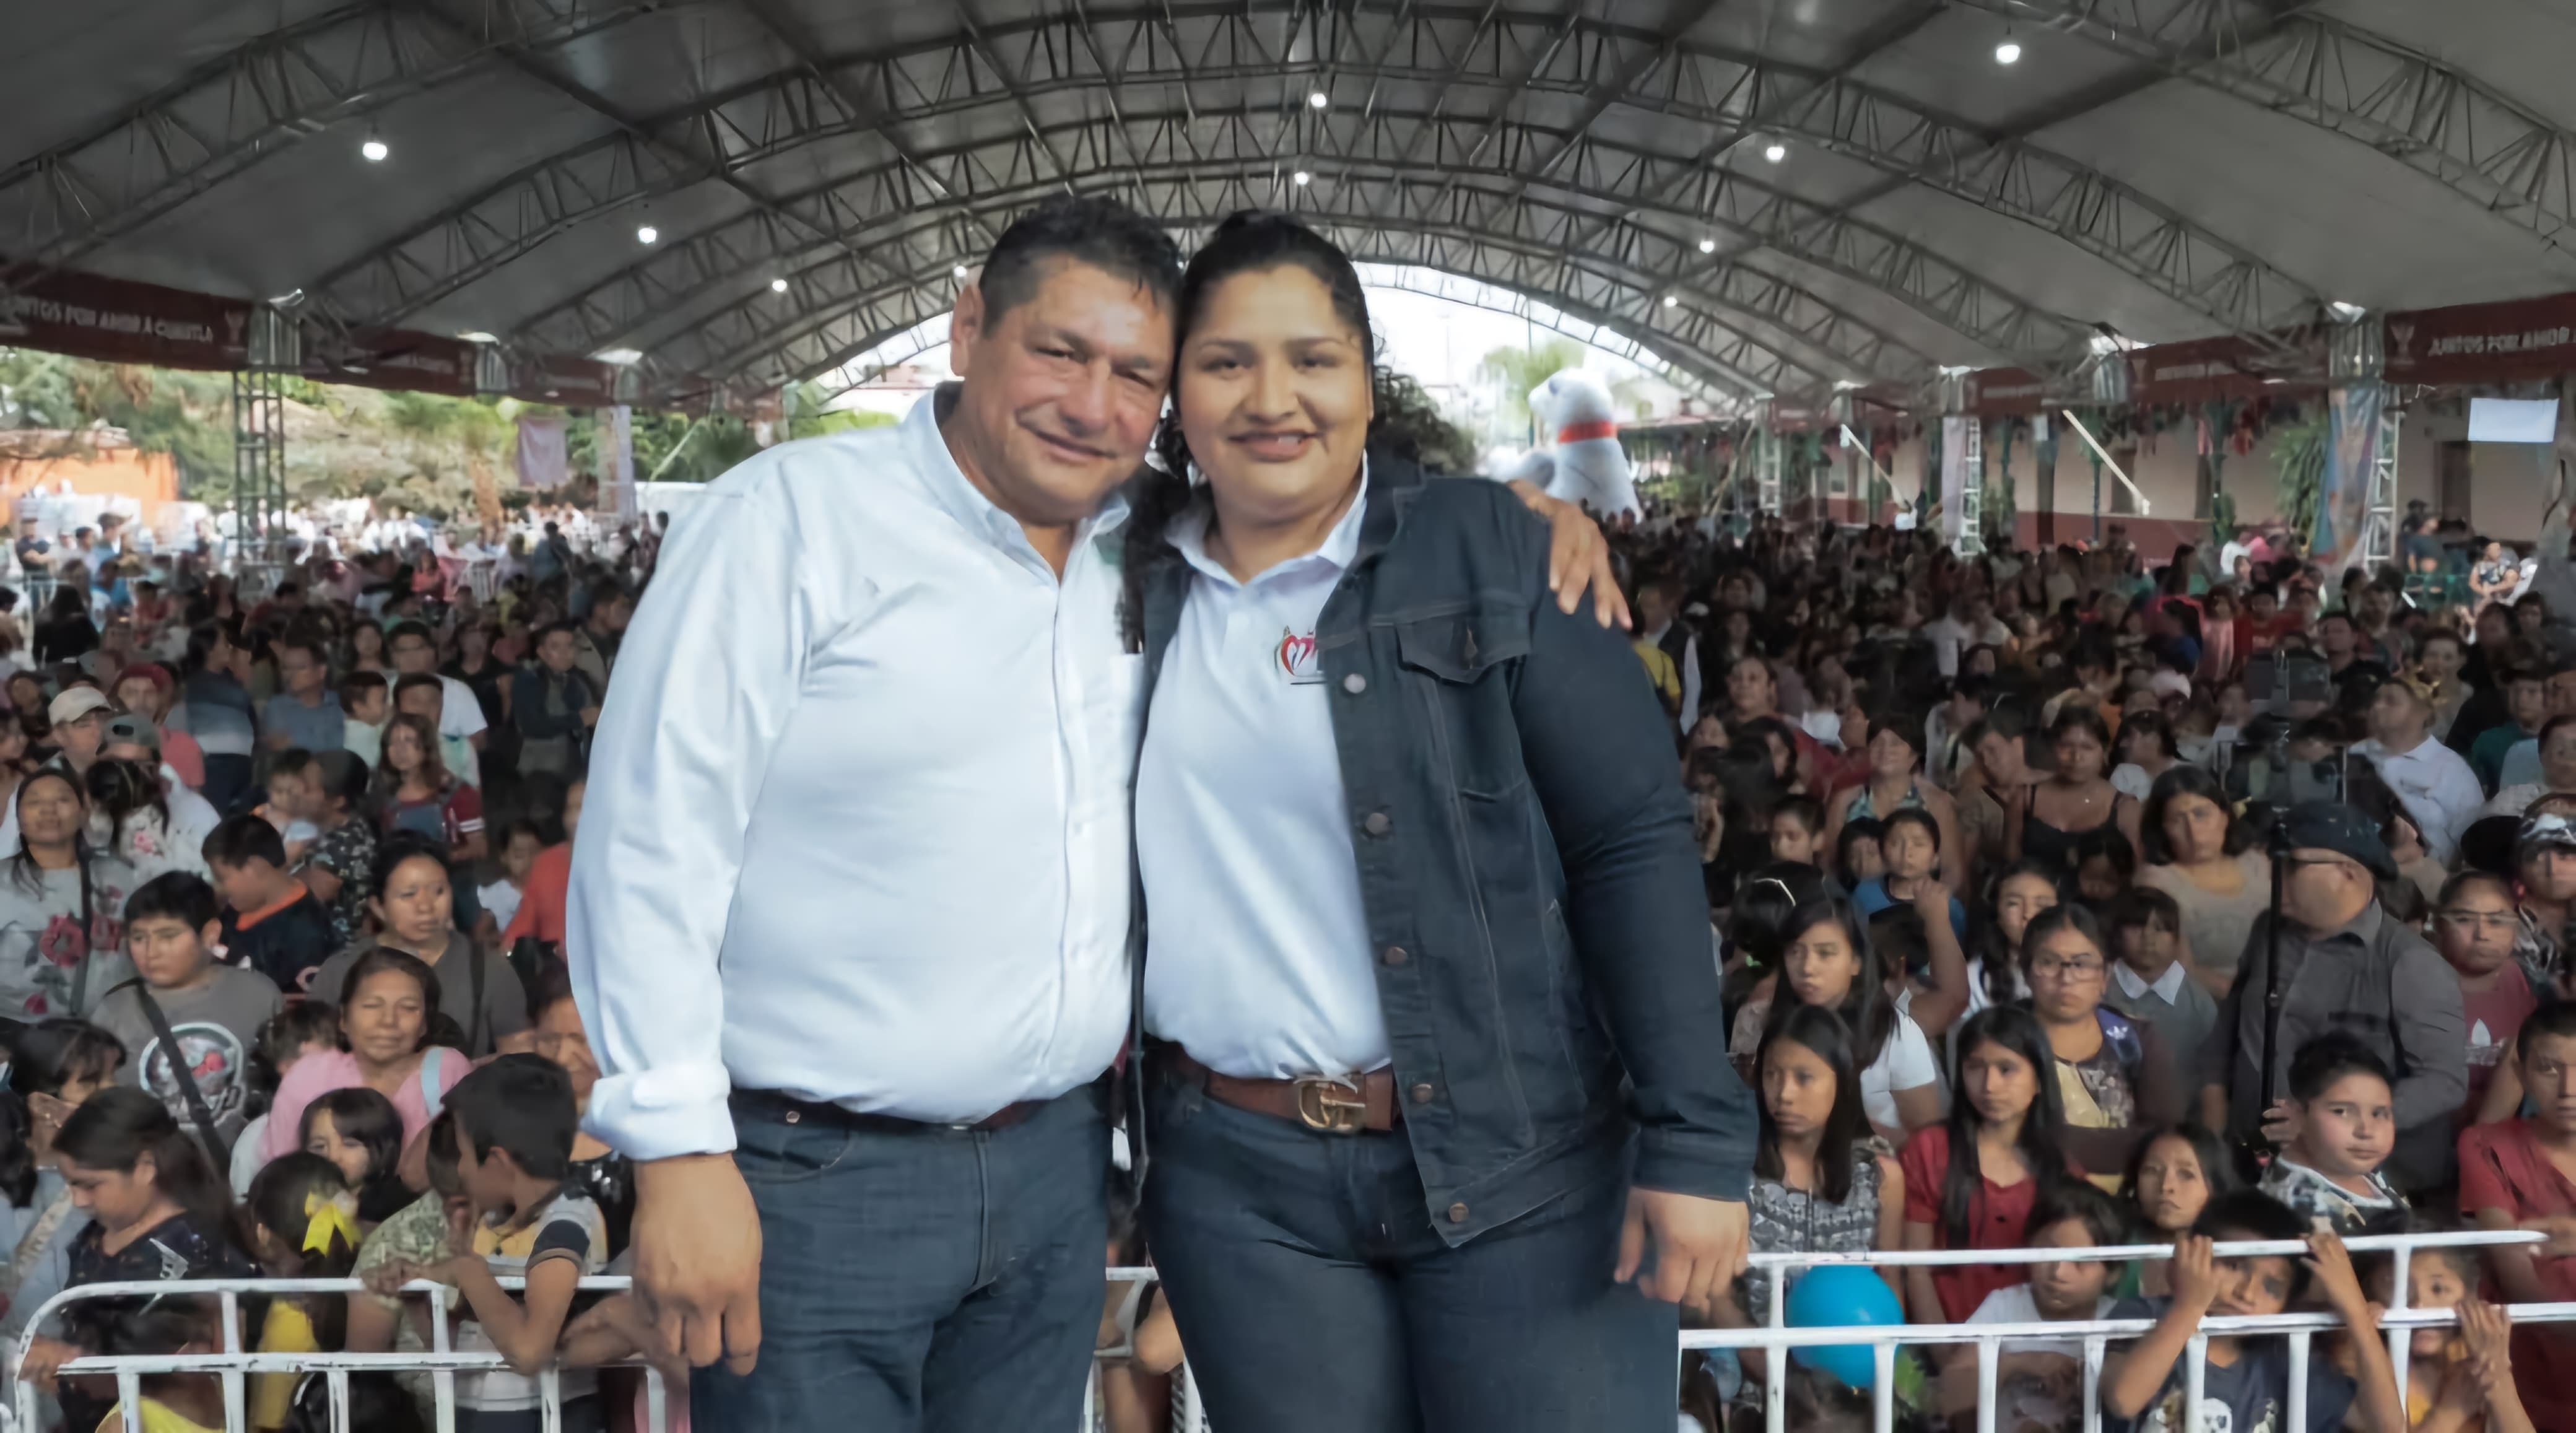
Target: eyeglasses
(2075, 968)
(2483, 920)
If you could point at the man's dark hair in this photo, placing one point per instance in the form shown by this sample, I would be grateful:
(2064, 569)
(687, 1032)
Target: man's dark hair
(417, 680)
(1103, 233)
(400, 630)
(243, 839)
(521, 1103)
(302, 640)
(183, 896)
(2074, 1199)
(2330, 1057)
(355, 686)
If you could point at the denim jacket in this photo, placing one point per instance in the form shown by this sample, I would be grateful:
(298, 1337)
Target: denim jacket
(1526, 863)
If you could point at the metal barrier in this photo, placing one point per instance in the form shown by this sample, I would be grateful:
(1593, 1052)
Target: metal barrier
(2399, 1322)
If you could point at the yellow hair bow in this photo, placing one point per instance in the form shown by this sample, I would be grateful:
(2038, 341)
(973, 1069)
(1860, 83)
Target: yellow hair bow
(324, 1216)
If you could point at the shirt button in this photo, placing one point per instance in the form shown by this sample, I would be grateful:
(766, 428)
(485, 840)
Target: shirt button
(1422, 1094)
(1457, 1213)
(1396, 955)
(1378, 823)
(793, 1116)
(1354, 684)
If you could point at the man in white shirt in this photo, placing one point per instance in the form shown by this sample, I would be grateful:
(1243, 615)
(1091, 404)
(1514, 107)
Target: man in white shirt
(2439, 791)
(415, 653)
(849, 918)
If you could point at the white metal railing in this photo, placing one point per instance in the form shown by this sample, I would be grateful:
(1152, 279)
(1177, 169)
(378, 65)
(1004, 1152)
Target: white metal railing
(2399, 1322)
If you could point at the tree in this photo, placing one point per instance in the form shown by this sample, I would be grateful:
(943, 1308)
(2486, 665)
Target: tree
(1518, 370)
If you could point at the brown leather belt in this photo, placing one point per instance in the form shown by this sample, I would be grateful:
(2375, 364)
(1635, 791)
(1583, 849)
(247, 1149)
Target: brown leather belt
(796, 1111)
(1315, 1101)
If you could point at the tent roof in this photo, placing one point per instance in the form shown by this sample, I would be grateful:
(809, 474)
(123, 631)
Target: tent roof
(2168, 169)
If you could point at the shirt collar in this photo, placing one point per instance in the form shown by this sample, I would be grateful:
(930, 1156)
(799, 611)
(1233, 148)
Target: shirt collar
(2166, 986)
(1188, 536)
(965, 502)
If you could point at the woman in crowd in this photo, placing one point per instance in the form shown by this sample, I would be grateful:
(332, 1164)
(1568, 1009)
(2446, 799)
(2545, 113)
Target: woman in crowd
(484, 674)
(2115, 1079)
(414, 903)
(421, 797)
(54, 1067)
(1829, 962)
(601, 1173)
(62, 905)
(2045, 820)
(2018, 895)
(1531, 727)
(1970, 1183)
(367, 649)
(1896, 784)
(2148, 752)
(2199, 853)
(388, 1000)
(147, 691)
(216, 710)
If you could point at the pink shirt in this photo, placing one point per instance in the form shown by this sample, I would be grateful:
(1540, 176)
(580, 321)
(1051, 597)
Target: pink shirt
(316, 1075)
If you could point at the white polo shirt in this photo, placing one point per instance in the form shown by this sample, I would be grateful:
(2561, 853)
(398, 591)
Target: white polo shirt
(1257, 957)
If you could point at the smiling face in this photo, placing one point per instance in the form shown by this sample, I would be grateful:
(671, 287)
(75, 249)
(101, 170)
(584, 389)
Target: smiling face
(352, 1157)
(1062, 390)
(1273, 396)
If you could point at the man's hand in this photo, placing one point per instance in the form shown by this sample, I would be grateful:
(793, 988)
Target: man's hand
(697, 1260)
(1699, 1244)
(44, 1355)
(1578, 557)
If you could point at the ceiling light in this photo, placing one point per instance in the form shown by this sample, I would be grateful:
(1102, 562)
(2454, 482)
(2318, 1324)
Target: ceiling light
(476, 335)
(1318, 100)
(374, 150)
(621, 357)
(647, 234)
(2346, 312)
(959, 272)
(2009, 52)
(1776, 152)
(778, 286)
(1671, 300)
(1301, 177)
(1708, 246)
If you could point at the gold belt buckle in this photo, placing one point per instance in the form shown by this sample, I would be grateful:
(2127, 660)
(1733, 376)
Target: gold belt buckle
(1330, 1106)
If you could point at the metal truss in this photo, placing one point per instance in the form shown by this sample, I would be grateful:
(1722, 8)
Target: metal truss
(2495, 151)
(1540, 314)
(1174, 49)
(226, 115)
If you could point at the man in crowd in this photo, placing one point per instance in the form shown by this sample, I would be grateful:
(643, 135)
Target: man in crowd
(415, 653)
(2441, 795)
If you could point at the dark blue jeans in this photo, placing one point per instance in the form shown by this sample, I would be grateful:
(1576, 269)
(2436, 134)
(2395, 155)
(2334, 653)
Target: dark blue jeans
(939, 1281)
(1314, 1296)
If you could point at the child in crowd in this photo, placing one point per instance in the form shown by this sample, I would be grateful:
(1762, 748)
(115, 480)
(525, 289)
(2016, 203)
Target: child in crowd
(160, 1328)
(2515, 1171)
(271, 922)
(2343, 1126)
(1857, 852)
(2040, 1382)
(191, 1022)
(519, 846)
(2105, 863)
(2171, 1179)
(514, 1120)
(2475, 926)
(1909, 845)
(2444, 1374)
(2250, 1377)
(2019, 893)
(1972, 1181)
(1798, 831)
(426, 1232)
(307, 1027)
(360, 1132)
(1829, 962)
(2150, 984)
(303, 1220)
(365, 702)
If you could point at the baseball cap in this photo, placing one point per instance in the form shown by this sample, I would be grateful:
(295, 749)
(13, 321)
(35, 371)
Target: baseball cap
(2550, 829)
(2333, 826)
(76, 702)
(127, 729)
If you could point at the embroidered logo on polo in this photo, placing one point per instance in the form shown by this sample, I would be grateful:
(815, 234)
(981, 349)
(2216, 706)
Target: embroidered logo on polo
(1297, 660)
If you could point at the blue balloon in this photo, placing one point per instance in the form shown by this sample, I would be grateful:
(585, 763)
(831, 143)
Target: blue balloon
(1842, 1296)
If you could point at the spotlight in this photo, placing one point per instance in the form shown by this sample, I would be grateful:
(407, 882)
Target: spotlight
(778, 286)
(2009, 52)
(1708, 246)
(1776, 151)
(960, 272)
(1671, 301)
(1318, 100)
(374, 150)
(647, 234)
(1301, 178)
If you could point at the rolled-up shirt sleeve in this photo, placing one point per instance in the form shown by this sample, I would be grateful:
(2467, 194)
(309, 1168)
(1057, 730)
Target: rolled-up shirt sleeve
(706, 681)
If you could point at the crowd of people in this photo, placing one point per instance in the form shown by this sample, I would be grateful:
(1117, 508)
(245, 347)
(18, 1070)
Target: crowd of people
(280, 960)
(1991, 847)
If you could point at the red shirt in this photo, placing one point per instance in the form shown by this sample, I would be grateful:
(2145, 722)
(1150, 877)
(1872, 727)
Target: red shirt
(1998, 1218)
(541, 905)
(2494, 1017)
(2503, 1168)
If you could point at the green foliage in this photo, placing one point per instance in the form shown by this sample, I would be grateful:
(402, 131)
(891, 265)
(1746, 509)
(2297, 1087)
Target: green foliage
(1408, 419)
(2299, 466)
(1518, 370)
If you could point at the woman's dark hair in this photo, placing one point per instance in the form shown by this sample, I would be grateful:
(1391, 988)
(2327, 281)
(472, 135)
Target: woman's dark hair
(118, 1126)
(1996, 961)
(1865, 1010)
(377, 961)
(283, 1038)
(23, 870)
(1867, 828)
(1823, 1034)
(2216, 1169)
(203, 638)
(1900, 727)
(43, 1058)
(432, 761)
(2077, 716)
(400, 848)
(2177, 782)
(279, 1196)
(1405, 425)
(2017, 1030)
(361, 1115)
(2065, 915)
(552, 987)
(123, 789)
(2107, 842)
(2152, 724)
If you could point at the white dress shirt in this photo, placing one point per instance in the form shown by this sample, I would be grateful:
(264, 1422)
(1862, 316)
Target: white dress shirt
(2440, 793)
(858, 820)
(1257, 956)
